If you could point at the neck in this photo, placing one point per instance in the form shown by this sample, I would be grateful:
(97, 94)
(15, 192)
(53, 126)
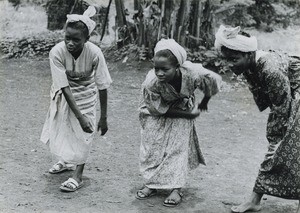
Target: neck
(76, 54)
(252, 61)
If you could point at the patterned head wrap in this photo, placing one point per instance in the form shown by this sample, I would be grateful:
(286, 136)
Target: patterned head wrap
(229, 38)
(170, 44)
(85, 18)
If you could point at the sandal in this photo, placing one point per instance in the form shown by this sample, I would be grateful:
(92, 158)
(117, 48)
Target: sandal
(60, 167)
(141, 195)
(172, 202)
(71, 185)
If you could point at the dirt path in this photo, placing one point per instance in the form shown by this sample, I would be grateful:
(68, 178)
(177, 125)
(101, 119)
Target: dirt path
(232, 137)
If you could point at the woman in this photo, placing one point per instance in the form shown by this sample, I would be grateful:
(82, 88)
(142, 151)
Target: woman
(78, 71)
(169, 143)
(274, 80)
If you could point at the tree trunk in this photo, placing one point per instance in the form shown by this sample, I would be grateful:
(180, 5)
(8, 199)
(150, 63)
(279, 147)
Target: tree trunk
(121, 24)
(207, 30)
(120, 18)
(182, 21)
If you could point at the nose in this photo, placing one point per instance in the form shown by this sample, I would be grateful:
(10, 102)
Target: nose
(159, 73)
(70, 44)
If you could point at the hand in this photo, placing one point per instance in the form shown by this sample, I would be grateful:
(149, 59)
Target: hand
(203, 105)
(195, 113)
(85, 124)
(102, 124)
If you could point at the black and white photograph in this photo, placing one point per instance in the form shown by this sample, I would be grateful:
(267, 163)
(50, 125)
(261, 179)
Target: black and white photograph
(150, 106)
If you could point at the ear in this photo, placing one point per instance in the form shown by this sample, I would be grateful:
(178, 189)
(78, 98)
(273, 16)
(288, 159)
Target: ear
(87, 38)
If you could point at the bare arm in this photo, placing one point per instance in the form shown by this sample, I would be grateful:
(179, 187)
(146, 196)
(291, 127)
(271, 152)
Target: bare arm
(84, 122)
(102, 124)
(176, 113)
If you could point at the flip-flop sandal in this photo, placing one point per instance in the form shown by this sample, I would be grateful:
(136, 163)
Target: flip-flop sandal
(71, 185)
(145, 196)
(173, 203)
(58, 167)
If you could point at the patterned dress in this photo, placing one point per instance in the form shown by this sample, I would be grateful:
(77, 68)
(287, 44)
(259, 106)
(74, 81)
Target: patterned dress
(169, 146)
(85, 75)
(277, 86)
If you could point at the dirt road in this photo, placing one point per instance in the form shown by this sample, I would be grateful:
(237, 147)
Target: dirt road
(232, 138)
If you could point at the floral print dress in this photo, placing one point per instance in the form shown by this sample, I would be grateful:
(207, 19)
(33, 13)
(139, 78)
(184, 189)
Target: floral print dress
(170, 146)
(276, 84)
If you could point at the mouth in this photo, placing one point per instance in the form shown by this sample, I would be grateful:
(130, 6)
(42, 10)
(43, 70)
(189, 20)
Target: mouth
(161, 78)
(70, 49)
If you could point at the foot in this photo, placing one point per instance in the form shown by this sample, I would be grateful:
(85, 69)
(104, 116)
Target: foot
(58, 167)
(145, 193)
(248, 206)
(71, 185)
(174, 198)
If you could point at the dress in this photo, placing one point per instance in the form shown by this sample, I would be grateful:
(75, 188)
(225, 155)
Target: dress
(277, 86)
(62, 131)
(170, 146)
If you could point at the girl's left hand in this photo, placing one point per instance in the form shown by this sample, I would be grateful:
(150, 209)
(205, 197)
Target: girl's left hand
(202, 106)
(102, 125)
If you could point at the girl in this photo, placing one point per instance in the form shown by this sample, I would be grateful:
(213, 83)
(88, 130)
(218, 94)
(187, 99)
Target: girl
(78, 68)
(169, 143)
(274, 80)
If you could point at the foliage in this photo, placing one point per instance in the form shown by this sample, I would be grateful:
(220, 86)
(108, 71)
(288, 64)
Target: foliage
(30, 46)
(210, 59)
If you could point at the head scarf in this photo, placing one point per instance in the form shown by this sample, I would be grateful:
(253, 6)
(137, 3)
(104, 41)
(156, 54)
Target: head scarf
(170, 44)
(229, 38)
(85, 18)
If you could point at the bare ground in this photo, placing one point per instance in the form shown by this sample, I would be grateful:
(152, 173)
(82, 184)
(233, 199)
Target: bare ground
(232, 138)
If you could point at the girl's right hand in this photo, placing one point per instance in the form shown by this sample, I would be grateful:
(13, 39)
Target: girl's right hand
(85, 124)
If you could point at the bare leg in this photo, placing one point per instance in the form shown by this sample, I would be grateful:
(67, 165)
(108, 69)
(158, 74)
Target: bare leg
(298, 211)
(77, 175)
(252, 205)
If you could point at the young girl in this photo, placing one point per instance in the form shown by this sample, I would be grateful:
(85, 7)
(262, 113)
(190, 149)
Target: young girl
(169, 143)
(274, 80)
(78, 70)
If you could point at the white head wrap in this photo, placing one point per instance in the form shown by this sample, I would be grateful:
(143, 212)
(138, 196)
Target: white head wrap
(170, 44)
(85, 18)
(229, 38)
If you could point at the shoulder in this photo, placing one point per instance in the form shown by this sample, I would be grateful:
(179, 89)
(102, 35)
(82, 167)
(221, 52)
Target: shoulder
(59, 47)
(273, 62)
(150, 82)
(93, 48)
(194, 70)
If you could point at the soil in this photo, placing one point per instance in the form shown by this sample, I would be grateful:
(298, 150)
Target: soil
(232, 136)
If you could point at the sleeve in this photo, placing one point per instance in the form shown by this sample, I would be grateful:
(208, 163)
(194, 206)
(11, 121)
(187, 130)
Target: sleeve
(154, 103)
(277, 87)
(208, 81)
(102, 76)
(151, 98)
(58, 72)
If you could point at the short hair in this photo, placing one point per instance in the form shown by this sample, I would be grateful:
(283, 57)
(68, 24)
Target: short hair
(169, 55)
(80, 26)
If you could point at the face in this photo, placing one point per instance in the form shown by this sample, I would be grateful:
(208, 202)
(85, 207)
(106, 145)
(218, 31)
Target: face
(238, 62)
(74, 40)
(165, 71)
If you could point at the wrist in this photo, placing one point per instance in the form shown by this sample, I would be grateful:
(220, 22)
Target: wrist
(79, 117)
